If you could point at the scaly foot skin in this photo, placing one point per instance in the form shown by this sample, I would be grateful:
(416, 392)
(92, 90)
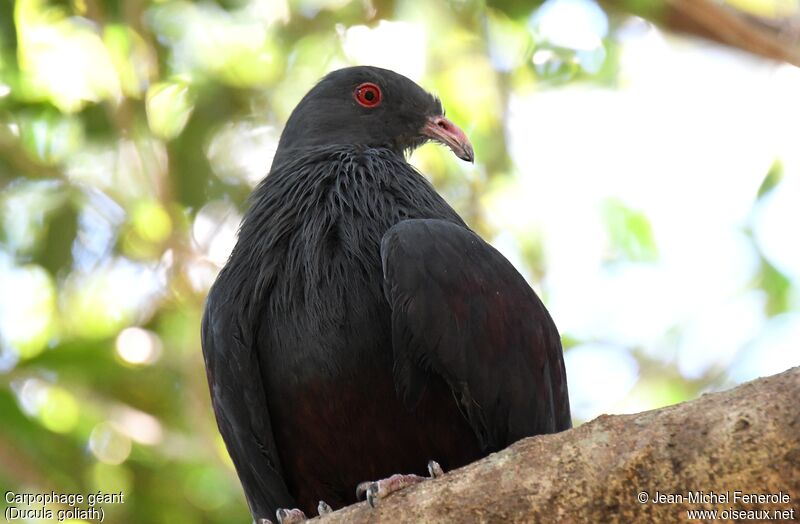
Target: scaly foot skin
(379, 489)
(290, 516)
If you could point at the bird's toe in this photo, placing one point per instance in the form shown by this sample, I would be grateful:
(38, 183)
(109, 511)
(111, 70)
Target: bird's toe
(375, 491)
(290, 516)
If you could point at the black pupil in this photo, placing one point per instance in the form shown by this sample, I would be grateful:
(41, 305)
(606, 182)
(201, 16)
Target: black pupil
(369, 95)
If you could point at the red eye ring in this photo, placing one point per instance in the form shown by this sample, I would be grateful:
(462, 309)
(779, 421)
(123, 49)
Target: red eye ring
(368, 95)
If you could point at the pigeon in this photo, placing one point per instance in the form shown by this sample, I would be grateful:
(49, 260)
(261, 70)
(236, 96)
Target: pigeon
(360, 332)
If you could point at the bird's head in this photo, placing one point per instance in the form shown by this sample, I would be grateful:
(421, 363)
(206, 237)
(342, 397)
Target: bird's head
(372, 107)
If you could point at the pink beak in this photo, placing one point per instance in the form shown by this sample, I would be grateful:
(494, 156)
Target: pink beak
(444, 131)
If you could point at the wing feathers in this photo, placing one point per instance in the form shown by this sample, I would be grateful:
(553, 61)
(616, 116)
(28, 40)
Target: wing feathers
(240, 406)
(461, 310)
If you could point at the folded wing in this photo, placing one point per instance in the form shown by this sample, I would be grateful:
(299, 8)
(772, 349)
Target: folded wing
(240, 406)
(462, 311)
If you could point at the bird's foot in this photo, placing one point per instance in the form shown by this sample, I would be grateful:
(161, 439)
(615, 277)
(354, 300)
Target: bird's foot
(376, 490)
(290, 516)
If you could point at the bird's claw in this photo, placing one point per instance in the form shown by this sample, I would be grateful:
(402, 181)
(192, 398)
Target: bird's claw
(434, 469)
(367, 489)
(323, 508)
(371, 491)
(290, 516)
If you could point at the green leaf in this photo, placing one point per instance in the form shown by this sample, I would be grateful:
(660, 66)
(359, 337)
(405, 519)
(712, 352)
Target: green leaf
(771, 179)
(630, 233)
(776, 285)
(169, 106)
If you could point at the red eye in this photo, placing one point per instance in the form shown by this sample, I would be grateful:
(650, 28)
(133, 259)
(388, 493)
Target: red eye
(368, 94)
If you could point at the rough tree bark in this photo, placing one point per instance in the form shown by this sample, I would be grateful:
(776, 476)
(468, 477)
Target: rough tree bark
(746, 440)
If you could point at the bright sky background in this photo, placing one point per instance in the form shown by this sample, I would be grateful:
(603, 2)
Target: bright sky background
(686, 138)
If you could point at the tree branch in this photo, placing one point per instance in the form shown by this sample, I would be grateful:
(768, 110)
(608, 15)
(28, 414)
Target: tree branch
(775, 38)
(746, 439)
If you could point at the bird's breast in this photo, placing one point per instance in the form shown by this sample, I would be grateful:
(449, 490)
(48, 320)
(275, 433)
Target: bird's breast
(324, 340)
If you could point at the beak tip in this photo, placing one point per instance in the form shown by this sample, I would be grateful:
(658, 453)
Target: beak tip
(470, 156)
(467, 154)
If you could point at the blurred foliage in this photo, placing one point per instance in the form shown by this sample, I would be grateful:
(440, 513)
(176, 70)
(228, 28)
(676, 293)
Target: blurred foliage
(131, 133)
(630, 233)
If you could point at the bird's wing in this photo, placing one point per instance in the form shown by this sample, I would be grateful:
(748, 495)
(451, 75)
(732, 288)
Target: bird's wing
(240, 406)
(461, 310)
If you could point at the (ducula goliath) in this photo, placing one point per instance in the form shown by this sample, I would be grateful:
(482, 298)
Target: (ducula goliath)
(360, 328)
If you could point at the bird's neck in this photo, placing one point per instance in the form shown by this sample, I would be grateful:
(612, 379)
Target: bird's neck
(328, 206)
